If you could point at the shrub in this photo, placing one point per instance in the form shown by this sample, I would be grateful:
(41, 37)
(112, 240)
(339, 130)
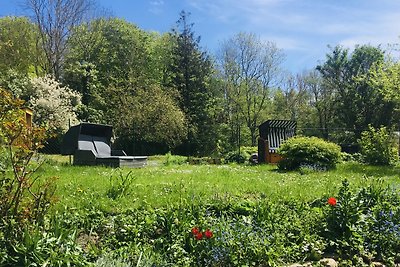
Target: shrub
(303, 151)
(363, 224)
(377, 147)
(174, 159)
(53, 103)
(25, 198)
(249, 149)
(237, 157)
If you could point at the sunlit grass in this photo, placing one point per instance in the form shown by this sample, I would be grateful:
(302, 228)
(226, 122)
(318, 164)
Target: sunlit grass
(160, 185)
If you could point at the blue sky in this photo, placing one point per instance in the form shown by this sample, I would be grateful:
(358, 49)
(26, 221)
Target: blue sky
(302, 28)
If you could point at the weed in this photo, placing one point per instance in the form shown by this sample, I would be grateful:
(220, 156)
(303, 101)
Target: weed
(120, 185)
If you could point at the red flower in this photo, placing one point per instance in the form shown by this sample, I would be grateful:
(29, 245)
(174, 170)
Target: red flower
(208, 233)
(195, 231)
(332, 201)
(199, 236)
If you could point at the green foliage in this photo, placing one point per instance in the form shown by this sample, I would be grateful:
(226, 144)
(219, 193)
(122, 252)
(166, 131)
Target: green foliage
(191, 71)
(250, 68)
(358, 98)
(356, 157)
(109, 260)
(378, 147)
(359, 227)
(363, 224)
(83, 78)
(308, 151)
(156, 117)
(47, 247)
(120, 185)
(258, 216)
(174, 159)
(249, 149)
(121, 69)
(235, 156)
(22, 199)
(18, 46)
(25, 198)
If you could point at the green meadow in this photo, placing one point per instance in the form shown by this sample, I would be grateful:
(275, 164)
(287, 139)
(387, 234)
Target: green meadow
(160, 184)
(171, 213)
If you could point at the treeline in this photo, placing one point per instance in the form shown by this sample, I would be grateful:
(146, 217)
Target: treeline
(164, 92)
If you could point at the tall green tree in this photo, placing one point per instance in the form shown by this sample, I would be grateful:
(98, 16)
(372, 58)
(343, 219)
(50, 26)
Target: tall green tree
(121, 72)
(251, 68)
(322, 95)
(104, 55)
(292, 101)
(18, 46)
(191, 71)
(358, 103)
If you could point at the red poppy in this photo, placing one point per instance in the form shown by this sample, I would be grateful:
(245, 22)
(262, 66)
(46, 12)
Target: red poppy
(199, 236)
(208, 233)
(332, 201)
(195, 231)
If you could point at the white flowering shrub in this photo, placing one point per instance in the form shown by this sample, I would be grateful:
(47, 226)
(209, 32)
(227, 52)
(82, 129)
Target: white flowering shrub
(54, 105)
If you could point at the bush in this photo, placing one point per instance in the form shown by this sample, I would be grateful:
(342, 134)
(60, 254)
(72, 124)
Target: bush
(55, 105)
(310, 152)
(378, 147)
(237, 157)
(174, 159)
(249, 149)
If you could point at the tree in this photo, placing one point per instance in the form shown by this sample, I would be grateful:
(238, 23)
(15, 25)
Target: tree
(104, 55)
(292, 100)
(378, 146)
(55, 20)
(18, 46)
(386, 77)
(191, 72)
(335, 80)
(55, 105)
(115, 48)
(347, 77)
(152, 116)
(322, 100)
(121, 72)
(250, 67)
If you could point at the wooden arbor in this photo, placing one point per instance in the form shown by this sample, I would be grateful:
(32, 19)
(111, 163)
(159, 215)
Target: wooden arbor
(272, 134)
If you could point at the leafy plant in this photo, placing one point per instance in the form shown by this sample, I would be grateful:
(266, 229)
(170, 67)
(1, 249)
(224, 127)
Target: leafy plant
(249, 149)
(344, 221)
(174, 159)
(120, 184)
(312, 152)
(237, 157)
(378, 147)
(24, 198)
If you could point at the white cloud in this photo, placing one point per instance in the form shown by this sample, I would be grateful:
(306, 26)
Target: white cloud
(157, 3)
(306, 27)
(156, 6)
(286, 43)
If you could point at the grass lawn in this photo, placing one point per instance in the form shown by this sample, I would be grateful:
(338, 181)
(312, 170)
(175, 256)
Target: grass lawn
(159, 185)
(214, 215)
